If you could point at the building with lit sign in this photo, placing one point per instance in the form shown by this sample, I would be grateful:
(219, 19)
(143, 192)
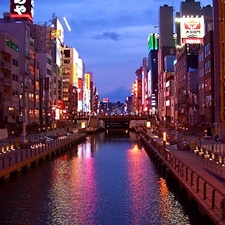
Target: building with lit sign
(70, 80)
(166, 47)
(11, 103)
(87, 92)
(28, 65)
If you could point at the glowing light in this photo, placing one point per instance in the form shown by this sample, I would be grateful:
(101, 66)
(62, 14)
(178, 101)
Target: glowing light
(164, 136)
(67, 24)
(148, 124)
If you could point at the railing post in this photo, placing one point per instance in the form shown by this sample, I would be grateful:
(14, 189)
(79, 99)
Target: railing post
(197, 185)
(191, 178)
(204, 191)
(223, 208)
(186, 174)
(213, 198)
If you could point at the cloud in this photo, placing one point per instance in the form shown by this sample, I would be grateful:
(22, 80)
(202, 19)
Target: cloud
(112, 35)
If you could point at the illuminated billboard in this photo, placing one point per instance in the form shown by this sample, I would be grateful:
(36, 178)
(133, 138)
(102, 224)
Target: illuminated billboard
(75, 57)
(55, 33)
(192, 30)
(153, 42)
(105, 100)
(58, 34)
(22, 9)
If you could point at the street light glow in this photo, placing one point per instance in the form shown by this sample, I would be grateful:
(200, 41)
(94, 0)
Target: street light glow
(67, 24)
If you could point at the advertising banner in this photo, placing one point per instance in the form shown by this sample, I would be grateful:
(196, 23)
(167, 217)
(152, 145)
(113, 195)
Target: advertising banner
(192, 30)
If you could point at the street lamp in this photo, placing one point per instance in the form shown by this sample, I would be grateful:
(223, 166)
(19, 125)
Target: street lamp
(164, 139)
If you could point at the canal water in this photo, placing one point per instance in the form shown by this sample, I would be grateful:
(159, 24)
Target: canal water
(108, 179)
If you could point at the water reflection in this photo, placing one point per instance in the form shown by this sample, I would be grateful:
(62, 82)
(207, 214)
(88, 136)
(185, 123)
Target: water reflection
(108, 179)
(150, 200)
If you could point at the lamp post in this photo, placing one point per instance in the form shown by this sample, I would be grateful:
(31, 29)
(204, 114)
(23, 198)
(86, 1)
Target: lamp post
(164, 139)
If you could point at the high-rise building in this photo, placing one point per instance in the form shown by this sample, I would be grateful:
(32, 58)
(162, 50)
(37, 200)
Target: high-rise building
(70, 81)
(21, 32)
(11, 91)
(166, 47)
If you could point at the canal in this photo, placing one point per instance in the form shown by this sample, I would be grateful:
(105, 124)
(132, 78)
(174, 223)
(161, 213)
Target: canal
(108, 179)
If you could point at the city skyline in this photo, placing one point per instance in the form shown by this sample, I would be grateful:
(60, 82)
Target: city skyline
(110, 37)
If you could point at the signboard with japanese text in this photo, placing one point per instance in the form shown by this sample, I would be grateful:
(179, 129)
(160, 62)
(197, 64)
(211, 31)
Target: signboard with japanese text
(105, 100)
(192, 30)
(22, 9)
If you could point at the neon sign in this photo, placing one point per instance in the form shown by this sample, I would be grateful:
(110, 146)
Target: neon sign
(22, 9)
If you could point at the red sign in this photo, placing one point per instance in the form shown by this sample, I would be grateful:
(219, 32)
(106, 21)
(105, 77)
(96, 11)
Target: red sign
(192, 30)
(22, 9)
(105, 100)
(80, 85)
(192, 41)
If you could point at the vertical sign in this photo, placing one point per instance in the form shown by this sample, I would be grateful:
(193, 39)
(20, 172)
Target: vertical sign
(22, 9)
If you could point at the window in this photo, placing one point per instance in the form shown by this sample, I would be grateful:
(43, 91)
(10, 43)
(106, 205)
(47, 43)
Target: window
(65, 90)
(208, 84)
(49, 61)
(49, 72)
(15, 63)
(12, 45)
(208, 66)
(66, 61)
(67, 53)
(66, 71)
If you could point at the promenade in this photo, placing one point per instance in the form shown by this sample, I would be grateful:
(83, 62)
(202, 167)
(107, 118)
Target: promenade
(14, 161)
(205, 184)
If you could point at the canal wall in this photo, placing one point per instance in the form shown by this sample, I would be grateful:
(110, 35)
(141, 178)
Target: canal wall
(19, 160)
(209, 198)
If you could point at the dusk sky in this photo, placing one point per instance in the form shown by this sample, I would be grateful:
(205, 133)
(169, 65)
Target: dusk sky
(109, 35)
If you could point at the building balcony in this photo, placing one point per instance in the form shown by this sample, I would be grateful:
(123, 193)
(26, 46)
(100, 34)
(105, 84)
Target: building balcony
(7, 81)
(4, 51)
(5, 65)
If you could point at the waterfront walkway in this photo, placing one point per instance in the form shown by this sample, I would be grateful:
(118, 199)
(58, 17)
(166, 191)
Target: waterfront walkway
(205, 186)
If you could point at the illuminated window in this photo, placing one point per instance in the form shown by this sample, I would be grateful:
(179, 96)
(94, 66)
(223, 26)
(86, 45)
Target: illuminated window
(12, 45)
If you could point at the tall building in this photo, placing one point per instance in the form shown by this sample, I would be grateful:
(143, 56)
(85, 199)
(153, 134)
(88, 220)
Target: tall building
(190, 8)
(19, 28)
(137, 91)
(219, 63)
(166, 47)
(192, 22)
(153, 44)
(206, 82)
(187, 82)
(11, 91)
(49, 39)
(48, 83)
(70, 81)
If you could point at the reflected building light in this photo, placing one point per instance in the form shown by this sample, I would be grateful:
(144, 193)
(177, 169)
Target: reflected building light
(88, 150)
(79, 151)
(135, 148)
